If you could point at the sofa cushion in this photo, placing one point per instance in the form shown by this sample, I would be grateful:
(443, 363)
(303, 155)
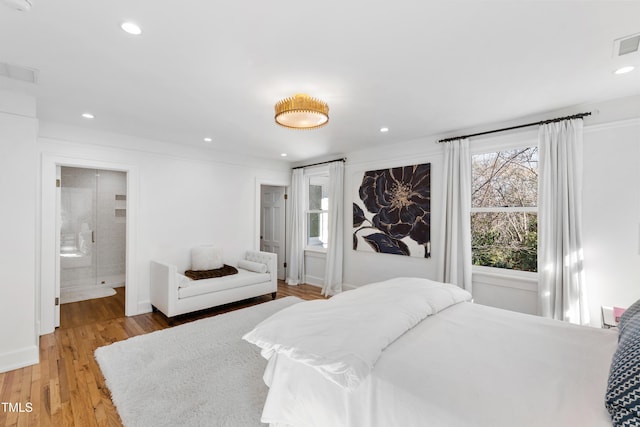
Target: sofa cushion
(256, 267)
(206, 258)
(243, 278)
(225, 270)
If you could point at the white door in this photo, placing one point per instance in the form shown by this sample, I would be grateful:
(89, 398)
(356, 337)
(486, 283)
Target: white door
(272, 224)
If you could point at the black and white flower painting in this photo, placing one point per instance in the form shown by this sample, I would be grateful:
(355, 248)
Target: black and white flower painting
(392, 211)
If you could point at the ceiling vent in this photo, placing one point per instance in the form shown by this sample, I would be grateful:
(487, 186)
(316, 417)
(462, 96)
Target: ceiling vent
(20, 5)
(626, 46)
(17, 72)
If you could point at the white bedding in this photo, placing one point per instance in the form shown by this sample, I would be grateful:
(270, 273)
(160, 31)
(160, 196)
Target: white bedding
(343, 337)
(469, 365)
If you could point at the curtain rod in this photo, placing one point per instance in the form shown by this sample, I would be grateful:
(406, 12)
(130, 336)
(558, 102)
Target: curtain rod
(543, 122)
(344, 159)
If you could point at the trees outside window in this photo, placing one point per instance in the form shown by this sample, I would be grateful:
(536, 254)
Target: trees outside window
(504, 213)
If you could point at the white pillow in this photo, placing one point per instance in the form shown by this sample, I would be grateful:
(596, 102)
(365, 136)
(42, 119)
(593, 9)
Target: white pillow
(256, 267)
(206, 258)
(183, 281)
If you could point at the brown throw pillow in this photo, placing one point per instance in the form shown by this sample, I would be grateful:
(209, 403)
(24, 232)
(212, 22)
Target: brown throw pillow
(225, 270)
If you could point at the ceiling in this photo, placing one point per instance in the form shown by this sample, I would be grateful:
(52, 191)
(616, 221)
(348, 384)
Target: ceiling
(216, 69)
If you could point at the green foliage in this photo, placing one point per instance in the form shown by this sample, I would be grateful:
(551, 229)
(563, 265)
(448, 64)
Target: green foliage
(505, 243)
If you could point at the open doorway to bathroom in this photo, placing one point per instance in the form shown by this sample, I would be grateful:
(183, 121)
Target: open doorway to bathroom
(92, 218)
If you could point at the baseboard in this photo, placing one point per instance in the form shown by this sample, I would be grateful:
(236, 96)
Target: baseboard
(313, 280)
(19, 359)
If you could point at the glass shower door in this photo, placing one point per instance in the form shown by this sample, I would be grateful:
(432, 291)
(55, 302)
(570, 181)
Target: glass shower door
(78, 258)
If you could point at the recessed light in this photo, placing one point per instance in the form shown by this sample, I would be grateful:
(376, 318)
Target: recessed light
(131, 28)
(384, 130)
(624, 70)
(283, 154)
(88, 116)
(207, 139)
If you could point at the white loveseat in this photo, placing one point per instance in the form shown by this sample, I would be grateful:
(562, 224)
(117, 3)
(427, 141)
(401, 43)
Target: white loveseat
(173, 295)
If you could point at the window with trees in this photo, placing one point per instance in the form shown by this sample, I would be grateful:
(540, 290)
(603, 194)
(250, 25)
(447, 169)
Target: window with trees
(504, 213)
(317, 211)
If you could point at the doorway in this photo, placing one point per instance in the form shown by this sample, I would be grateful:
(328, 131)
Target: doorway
(92, 229)
(272, 224)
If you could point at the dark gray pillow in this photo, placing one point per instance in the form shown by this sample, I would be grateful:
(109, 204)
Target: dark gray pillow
(628, 314)
(623, 388)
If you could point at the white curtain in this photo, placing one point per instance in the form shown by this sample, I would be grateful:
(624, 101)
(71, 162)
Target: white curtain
(333, 266)
(455, 238)
(296, 220)
(562, 290)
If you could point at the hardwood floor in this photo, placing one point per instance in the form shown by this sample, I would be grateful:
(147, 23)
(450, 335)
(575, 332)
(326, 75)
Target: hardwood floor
(67, 387)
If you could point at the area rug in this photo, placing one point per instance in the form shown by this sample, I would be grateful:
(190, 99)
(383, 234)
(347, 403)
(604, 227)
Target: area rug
(197, 374)
(84, 293)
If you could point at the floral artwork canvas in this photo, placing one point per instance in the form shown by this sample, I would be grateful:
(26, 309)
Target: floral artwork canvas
(392, 211)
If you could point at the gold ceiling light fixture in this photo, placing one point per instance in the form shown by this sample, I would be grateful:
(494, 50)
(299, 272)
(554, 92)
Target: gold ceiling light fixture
(302, 112)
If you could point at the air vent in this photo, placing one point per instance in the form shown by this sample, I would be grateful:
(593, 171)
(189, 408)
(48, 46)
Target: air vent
(626, 45)
(19, 5)
(17, 72)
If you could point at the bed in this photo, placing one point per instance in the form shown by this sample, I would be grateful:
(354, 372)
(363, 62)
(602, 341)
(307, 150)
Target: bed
(460, 364)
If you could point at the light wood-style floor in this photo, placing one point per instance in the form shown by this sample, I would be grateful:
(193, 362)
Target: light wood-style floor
(67, 388)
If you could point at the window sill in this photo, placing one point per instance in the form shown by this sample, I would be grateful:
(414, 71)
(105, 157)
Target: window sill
(319, 250)
(523, 280)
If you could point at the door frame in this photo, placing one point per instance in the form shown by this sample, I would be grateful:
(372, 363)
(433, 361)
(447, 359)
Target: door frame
(256, 227)
(49, 277)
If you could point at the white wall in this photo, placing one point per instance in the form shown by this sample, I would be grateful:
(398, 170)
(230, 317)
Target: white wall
(611, 219)
(18, 161)
(182, 197)
(611, 210)
(314, 265)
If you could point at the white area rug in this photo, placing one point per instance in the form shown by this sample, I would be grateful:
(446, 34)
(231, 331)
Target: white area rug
(82, 294)
(197, 374)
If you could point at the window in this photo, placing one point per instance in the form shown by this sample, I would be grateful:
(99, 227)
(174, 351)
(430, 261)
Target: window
(317, 211)
(504, 213)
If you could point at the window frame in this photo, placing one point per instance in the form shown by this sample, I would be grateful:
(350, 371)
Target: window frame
(322, 172)
(487, 147)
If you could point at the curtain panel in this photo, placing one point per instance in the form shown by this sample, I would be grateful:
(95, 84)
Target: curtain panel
(335, 249)
(562, 287)
(455, 238)
(296, 220)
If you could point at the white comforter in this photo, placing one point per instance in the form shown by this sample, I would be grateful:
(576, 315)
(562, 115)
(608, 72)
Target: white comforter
(468, 366)
(343, 337)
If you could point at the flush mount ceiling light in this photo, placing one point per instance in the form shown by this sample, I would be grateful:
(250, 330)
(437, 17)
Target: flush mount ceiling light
(301, 112)
(131, 28)
(88, 116)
